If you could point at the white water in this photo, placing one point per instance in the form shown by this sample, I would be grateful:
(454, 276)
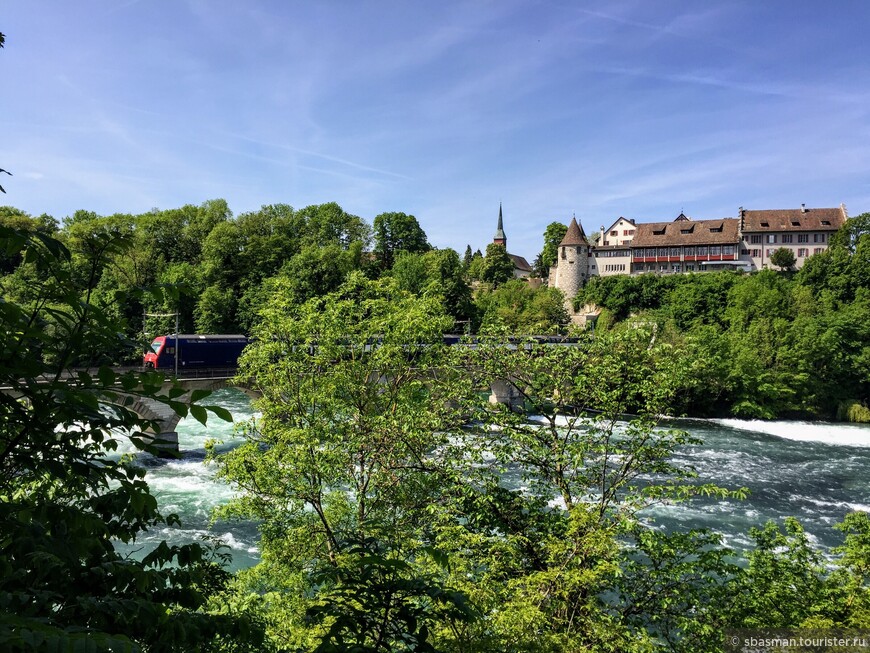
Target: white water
(817, 472)
(853, 435)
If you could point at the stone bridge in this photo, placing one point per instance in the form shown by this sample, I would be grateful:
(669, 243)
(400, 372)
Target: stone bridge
(166, 437)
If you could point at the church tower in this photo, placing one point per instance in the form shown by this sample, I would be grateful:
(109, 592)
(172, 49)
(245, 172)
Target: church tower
(500, 238)
(572, 263)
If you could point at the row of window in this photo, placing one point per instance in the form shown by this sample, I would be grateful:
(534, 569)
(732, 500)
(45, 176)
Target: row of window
(610, 253)
(625, 232)
(615, 267)
(802, 252)
(700, 250)
(771, 239)
(663, 267)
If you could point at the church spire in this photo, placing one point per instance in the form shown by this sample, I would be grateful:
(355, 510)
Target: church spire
(500, 238)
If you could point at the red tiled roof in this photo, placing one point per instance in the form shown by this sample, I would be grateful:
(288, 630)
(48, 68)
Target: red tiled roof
(770, 220)
(686, 232)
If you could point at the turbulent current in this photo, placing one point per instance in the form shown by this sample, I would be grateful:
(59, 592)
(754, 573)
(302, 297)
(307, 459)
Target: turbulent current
(817, 472)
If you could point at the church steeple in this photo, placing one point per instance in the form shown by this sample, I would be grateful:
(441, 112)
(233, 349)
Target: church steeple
(500, 238)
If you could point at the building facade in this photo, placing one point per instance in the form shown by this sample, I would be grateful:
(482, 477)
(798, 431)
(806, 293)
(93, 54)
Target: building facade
(611, 249)
(803, 231)
(683, 245)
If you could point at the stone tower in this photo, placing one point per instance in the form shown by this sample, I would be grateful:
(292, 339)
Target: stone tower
(500, 238)
(572, 264)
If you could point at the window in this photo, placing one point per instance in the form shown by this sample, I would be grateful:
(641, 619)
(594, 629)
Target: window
(728, 250)
(802, 251)
(755, 240)
(690, 267)
(769, 252)
(676, 267)
(715, 250)
(765, 224)
(786, 238)
(818, 238)
(563, 252)
(690, 251)
(663, 251)
(756, 253)
(675, 251)
(771, 239)
(614, 233)
(627, 232)
(795, 223)
(803, 238)
(702, 250)
(818, 250)
(827, 223)
(744, 252)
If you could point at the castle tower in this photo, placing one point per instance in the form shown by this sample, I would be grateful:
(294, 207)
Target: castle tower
(500, 238)
(572, 264)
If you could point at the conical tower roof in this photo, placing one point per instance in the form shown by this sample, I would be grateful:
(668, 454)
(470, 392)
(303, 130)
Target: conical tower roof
(574, 235)
(499, 232)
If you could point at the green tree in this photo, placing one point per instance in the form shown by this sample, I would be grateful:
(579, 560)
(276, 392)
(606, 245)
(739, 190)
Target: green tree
(340, 467)
(783, 258)
(521, 309)
(466, 258)
(553, 235)
(397, 232)
(497, 267)
(329, 224)
(65, 501)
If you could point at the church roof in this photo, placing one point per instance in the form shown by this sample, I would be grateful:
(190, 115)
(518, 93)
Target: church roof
(520, 263)
(499, 232)
(574, 235)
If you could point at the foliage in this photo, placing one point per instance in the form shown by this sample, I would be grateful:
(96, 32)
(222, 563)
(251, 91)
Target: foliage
(496, 267)
(783, 258)
(64, 499)
(522, 309)
(553, 235)
(340, 457)
(397, 232)
(437, 273)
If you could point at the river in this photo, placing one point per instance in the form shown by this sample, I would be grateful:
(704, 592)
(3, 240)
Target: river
(817, 472)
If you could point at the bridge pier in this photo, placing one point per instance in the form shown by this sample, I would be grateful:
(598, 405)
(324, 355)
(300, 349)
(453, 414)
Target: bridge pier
(506, 393)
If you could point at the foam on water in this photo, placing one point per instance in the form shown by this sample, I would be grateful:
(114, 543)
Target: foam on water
(852, 435)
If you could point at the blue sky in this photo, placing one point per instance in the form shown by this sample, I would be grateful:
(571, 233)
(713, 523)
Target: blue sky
(440, 109)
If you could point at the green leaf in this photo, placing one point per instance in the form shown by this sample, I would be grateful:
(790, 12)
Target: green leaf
(199, 413)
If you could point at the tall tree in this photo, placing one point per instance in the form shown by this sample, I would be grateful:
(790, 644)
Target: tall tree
(497, 267)
(553, 235)
(66, 501)
(397, 232)
(340, 467)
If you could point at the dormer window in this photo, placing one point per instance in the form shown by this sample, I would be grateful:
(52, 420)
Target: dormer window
(659, 232)
(765, 224)
(827, 223)
(796, 223)
(716, 230)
